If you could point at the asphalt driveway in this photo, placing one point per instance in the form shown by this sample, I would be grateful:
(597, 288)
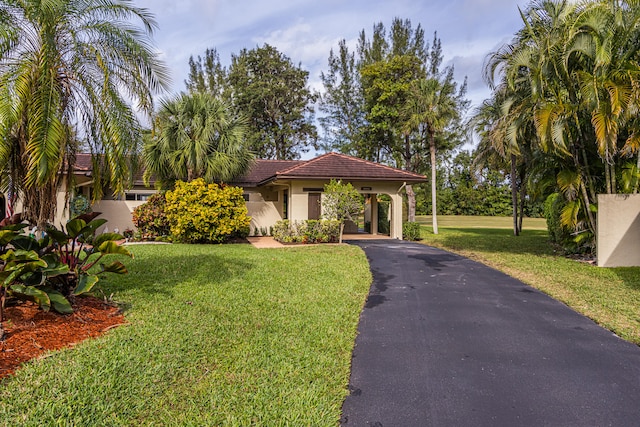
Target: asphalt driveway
(445, 341)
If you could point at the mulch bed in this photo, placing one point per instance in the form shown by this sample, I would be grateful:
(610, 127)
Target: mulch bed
(30, 332)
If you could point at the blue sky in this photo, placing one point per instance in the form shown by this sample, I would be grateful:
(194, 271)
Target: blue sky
(306, 30)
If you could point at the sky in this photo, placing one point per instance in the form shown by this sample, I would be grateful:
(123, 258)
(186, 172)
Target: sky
(306, 30)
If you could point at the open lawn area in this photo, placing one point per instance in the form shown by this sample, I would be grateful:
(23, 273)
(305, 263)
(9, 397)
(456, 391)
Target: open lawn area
(218, 335)
(462, 221)
(610, 296)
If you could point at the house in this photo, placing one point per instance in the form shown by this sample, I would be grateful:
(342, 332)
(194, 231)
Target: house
(274, 190)
(292, 189)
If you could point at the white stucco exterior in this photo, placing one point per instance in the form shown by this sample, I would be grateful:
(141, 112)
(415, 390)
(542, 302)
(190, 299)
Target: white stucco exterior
(618, 230)
(295, 194)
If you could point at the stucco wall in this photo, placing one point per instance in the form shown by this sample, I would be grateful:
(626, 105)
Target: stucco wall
(264, 214)
(618, 230)
(117, 213)
(299, 200)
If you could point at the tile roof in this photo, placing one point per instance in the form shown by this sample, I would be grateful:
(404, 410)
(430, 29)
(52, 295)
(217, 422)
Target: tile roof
(83, 162)
(326, 166)
(265, 170)
(341, 166)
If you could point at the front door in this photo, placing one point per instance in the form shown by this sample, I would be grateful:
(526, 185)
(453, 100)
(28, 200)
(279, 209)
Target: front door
(314, 206)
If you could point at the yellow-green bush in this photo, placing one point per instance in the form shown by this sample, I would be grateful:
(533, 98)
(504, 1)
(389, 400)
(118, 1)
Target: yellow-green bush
(206, 213)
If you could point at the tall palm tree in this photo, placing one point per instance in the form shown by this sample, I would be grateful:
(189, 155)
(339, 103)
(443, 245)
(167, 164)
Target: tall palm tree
(195, 136)
(434, 104)
(71, 67)
(542, 58)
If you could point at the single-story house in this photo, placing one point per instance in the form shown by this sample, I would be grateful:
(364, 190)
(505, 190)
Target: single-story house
(274, 190)
(292, 189)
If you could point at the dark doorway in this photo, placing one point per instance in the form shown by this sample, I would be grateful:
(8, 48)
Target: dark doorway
(314, 206)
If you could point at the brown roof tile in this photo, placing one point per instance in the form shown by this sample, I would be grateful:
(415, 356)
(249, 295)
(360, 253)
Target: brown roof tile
(341, 166)
(326, 166)
(265, 170)
(83, 162)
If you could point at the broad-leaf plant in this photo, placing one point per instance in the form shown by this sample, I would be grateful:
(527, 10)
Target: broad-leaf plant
(64, 263)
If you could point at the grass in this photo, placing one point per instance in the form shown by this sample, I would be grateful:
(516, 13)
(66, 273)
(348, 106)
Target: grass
(462, 221)
(219, 335)
(609, 296)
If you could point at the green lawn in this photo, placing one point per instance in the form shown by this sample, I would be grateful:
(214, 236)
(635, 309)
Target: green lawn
(219, 335)
(610, 296)
(462, 221)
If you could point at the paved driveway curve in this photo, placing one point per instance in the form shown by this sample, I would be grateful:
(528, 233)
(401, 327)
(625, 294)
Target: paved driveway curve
(445, 341)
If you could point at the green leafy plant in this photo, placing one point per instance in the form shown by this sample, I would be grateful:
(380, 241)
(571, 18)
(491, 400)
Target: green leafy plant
(63, 264)
(79, 205)
(309, 231)
(206, 213)
(150, 218)
(341, 202)
(80, 248)
(411, 231)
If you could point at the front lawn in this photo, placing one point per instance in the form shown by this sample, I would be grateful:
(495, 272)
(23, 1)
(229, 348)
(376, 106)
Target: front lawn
(219, 335)
(610, 296)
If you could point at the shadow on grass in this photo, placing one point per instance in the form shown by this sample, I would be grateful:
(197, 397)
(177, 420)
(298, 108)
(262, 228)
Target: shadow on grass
(534, 242)
(629, 276)
(160, 273)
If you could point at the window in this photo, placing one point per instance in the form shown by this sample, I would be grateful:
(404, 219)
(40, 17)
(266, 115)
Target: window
(285, 204)
(140, 197)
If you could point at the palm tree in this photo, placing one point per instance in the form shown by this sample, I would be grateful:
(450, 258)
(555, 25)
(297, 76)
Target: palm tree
(195, 137)
(434, 104)
(542, 58)
(71, 67)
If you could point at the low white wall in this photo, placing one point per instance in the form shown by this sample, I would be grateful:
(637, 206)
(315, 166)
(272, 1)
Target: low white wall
(618, 243)
(118, 213)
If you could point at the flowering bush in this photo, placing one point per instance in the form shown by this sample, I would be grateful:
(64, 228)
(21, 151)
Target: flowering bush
(206, 213)
(150, 218)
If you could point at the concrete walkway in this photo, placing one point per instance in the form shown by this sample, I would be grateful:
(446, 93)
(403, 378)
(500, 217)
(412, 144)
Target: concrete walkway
(268, 242)
(445, 341)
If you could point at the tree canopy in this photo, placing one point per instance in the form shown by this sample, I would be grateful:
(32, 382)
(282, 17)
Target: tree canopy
(196, 136)
(374, 106)
(72, 70)
(265, 86)
(566, 100)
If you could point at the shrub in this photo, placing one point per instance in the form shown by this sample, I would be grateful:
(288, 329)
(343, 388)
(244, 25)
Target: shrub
(341, 202)
(79, 205)
(309, 231)
(206, 213)
(63, 264)
(150, 218)
(554, 206)
(411, 231)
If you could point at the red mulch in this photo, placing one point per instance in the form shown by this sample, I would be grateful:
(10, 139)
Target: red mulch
(29, 331)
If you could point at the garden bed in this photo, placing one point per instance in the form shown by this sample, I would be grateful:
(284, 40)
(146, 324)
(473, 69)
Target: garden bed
(31, 332)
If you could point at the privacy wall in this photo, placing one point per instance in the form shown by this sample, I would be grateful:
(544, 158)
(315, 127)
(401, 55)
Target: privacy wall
(618, 230)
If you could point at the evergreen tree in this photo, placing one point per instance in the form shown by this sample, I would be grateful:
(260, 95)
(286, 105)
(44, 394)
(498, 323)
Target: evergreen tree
(273, 94)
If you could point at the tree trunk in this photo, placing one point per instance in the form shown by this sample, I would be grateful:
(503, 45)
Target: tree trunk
(514, 195)
(411, 203)
(614, 184)
(635, 185)
(523, 194)
(434, 210)
(341, 230)
(2, 298)
(585, 197)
